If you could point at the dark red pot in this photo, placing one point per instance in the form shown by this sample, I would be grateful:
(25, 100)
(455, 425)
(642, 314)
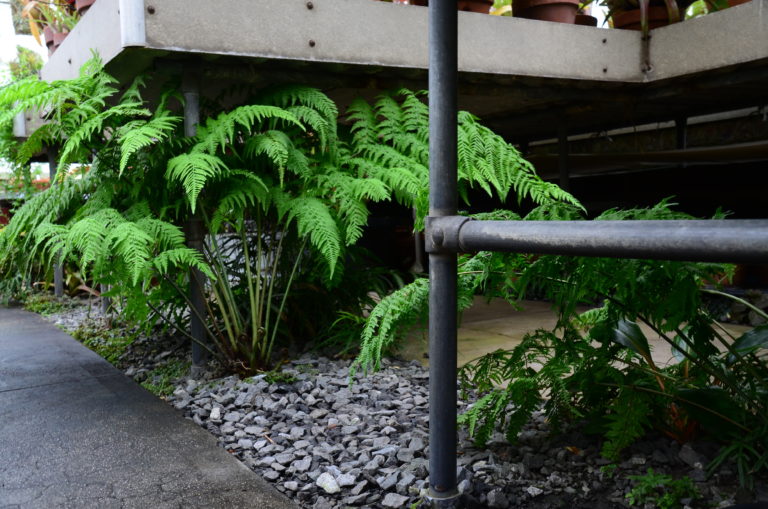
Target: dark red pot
(48, 36)
(586, 20)
(559, 11)
(734, 3)
(482, 6)
(58, 38)
(630, 20)
(83, 5)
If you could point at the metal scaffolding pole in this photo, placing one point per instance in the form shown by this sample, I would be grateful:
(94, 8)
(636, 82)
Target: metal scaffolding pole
(738, 241)
(195, 232)
(443, 109)
(58, 268)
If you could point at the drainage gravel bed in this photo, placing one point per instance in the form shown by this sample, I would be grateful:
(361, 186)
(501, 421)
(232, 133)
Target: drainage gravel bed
(327, 443)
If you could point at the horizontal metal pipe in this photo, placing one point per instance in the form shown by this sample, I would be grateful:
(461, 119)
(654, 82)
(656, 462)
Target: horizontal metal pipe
(739, 241)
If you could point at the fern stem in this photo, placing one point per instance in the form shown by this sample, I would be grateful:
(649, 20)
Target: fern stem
(279, 311)
(180, 330)
(223, 294)
(272, 283)
(251, 297)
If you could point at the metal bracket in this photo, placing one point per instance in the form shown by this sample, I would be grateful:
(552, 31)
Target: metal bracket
(442, 233)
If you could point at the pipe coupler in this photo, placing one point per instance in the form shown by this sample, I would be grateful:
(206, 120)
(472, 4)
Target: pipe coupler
(442, 233)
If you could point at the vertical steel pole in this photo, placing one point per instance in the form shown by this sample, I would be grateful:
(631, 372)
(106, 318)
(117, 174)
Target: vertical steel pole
(195, 231)
(106, 302)
(443, 71)
(58, 268)
(562, 156)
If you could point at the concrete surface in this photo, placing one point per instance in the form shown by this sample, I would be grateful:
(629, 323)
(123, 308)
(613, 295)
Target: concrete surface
(75, 432)
(486, 327)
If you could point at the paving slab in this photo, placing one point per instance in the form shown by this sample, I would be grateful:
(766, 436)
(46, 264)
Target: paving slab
(489, 326)
(76, 432)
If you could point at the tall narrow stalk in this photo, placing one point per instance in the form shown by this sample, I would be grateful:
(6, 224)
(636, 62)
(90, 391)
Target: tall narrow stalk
(285, 296)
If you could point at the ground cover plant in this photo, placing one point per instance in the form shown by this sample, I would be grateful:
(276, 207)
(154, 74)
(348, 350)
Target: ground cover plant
(596, 368)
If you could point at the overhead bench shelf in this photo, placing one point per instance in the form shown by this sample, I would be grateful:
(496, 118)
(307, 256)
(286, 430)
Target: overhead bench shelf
(522, 77)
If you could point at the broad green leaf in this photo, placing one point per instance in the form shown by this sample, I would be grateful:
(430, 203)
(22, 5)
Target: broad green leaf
(713, 408)
(628, 333)
(750, 341)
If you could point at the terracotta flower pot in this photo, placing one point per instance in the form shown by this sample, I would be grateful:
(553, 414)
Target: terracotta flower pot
(559, 11)
(58, 38)
(586, 20)
(734, 3)
(83, 5)
(48, 36)
(630, 20)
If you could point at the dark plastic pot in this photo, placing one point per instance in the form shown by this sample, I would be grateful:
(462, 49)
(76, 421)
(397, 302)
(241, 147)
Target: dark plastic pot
(558, 11)
(482, 6)
(630, 20)
(586, 20)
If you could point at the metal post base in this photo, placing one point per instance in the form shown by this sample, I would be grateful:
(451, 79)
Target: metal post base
(432, 501)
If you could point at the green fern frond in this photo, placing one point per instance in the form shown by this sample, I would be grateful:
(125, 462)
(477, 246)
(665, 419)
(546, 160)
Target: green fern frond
(193, 171)
(287, 96)
(394, 312)
(274, 144)
(221, 132)
(314, 220)
(139, 134)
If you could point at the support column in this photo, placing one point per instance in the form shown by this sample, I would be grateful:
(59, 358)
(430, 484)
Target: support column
(562, 156)
(195, 232)
(58, 268)
(106, 302)
(443, 109)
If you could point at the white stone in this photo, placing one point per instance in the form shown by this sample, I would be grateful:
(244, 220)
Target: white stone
(328, 483)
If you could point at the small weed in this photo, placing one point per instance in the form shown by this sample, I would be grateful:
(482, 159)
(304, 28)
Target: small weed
(661, 489)
(161, 380)
(279, 377)
(108, 343)
(46, 304)
(609, 470)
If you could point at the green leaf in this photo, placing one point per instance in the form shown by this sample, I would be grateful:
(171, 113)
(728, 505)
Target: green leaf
(708, 404)
(628, 334)
(750, 342)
